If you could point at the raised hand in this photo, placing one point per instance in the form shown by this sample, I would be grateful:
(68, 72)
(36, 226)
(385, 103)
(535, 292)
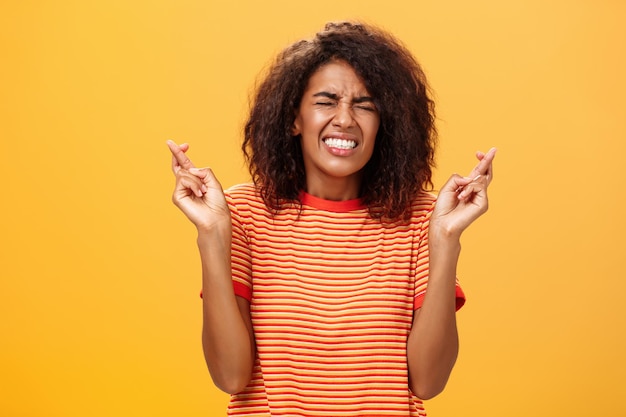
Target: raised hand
(197, 193)
(463, 199)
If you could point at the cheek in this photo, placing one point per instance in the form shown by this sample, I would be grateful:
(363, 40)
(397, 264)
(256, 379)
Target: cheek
(315, 121)
(372, 133)
(372, 127)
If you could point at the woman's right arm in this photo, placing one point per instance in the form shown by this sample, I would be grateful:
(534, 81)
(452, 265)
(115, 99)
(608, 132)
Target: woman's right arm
(227, 336)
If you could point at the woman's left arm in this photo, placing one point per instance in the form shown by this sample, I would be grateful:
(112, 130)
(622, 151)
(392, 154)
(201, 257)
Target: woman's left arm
(433, 342)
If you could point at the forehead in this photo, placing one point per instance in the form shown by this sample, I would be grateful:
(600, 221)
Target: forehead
(336, 77)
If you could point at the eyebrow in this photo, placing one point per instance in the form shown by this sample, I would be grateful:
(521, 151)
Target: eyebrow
(356, 100)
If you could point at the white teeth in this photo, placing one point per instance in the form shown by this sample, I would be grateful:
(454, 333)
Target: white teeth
(340, 143)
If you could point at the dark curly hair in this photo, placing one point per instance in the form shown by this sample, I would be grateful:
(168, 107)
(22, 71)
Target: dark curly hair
(403, 157)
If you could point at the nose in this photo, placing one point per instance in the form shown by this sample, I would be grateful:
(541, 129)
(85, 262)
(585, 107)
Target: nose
(343, 116)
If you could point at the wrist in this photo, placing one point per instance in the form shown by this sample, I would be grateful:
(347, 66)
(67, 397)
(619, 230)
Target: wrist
(443, 233)
(215, 232)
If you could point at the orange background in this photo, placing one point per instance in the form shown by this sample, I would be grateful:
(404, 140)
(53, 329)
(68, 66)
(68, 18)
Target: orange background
(99, 306)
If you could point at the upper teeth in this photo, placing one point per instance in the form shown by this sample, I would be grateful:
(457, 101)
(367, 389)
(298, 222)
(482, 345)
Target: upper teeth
(340, 143)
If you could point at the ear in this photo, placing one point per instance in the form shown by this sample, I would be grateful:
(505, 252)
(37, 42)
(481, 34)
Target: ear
(295, 127)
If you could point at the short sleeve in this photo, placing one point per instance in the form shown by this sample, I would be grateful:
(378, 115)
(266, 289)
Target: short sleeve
(422, 268)
(241, 259)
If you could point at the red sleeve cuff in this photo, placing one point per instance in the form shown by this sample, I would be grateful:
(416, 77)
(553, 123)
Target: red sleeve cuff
(240, 290)
(460, 299)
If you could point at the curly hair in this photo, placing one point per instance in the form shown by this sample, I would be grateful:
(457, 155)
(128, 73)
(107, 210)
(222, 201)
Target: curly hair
(403, 157)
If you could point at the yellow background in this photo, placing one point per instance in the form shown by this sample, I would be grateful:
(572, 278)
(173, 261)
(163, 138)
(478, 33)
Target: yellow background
(99, 307)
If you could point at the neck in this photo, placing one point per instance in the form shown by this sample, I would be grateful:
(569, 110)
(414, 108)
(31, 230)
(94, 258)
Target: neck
(334, 189)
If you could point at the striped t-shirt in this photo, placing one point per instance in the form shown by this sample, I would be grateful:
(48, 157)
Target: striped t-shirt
(332, 293)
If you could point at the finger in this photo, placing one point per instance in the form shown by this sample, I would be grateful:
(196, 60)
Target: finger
(172, 145)
(477, 184)
(490, 155)
(207, 176)
(191, 183)
(175, 163)
(202, 174)
(175, 166)
(484, 167)
(199, 172)
(455, 183)
(481, 167)
(179, 158)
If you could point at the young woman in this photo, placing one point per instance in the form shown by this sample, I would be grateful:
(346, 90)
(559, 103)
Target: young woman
(329, 283)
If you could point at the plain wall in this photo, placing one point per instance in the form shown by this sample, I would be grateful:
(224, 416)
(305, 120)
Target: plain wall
(99, 306)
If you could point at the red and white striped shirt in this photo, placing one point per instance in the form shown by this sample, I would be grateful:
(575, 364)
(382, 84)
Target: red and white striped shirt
(332, 293)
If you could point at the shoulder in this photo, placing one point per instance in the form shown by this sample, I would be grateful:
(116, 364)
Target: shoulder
(245, 199)
(243, 195)
(424, 198)
(423, 205)
(245, 191)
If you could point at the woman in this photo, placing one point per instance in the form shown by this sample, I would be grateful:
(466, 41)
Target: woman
(314, 277)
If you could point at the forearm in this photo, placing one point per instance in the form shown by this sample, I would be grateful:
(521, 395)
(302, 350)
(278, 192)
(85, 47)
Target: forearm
(226, 333)
(433, 343)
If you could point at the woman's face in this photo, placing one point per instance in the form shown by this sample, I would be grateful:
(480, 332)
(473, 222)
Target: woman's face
(337, 121)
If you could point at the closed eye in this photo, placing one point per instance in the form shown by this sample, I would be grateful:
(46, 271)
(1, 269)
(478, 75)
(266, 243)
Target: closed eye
(364, 103)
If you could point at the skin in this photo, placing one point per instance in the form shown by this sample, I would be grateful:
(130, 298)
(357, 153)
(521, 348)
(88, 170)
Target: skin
(336, 104)
(433, 343)
(227, 333)
(227, 337)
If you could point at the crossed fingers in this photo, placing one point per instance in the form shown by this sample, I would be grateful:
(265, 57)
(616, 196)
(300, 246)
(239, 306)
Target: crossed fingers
(179, 157)
(484, 166)
(481, 175)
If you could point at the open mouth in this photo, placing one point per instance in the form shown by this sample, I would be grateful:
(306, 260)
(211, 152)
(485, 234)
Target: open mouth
(340, 143)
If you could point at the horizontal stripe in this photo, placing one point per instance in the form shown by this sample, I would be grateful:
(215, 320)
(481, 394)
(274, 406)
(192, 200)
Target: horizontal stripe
(332, 296)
